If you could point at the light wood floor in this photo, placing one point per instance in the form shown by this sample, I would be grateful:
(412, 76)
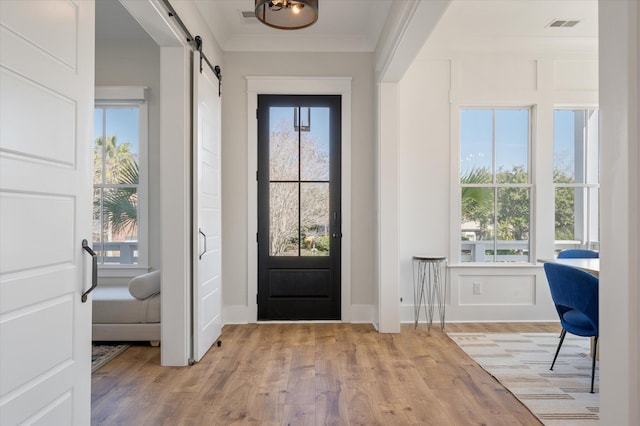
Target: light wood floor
(312, 374)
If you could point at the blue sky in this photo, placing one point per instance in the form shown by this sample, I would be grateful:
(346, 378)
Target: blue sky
(476, 138)
(121, 122)
(564, 140)
(512, 127)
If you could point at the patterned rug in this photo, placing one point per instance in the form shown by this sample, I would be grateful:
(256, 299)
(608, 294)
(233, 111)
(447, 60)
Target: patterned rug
(521, 361)
(103, 353)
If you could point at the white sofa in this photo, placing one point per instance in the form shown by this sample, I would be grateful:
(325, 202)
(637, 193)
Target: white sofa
(128, 313)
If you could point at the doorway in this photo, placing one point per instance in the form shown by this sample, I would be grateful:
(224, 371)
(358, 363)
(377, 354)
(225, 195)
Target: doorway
(169, 149)
(299, 207)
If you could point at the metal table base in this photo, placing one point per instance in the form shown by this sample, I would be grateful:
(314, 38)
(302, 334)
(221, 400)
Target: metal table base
(429, 287)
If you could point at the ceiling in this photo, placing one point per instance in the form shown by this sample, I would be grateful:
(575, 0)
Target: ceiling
(517, 25)
(355, 25)
(113, 22)
(343, 26)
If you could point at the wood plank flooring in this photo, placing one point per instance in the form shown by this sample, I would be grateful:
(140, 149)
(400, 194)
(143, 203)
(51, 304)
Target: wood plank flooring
(312, 374)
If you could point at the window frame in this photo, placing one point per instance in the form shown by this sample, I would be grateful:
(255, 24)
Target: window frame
(132, 96)
(496, 186)
(587, 186)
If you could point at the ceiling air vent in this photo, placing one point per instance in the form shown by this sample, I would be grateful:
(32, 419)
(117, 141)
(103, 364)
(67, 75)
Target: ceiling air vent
(249, 17)
(564, 23)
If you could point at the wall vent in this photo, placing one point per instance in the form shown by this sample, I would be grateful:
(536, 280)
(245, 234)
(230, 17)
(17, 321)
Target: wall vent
(249, 17)
(563, 23)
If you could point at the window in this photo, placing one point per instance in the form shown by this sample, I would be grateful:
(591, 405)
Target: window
(119, 197)
(495, 185)
(576, 177)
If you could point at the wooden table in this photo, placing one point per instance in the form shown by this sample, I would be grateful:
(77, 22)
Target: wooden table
(591, 266)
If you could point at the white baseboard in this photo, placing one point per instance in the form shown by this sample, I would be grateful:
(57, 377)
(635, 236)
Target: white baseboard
(362, 314)
(365, 314)
(235, 314)
(239, 314)
(484, 313)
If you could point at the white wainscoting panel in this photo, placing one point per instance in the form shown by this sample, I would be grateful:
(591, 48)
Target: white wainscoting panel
(497, 290)
(575, 75)
(507, 294)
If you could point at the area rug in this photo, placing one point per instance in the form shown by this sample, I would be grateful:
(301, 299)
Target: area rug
(521, 361)
(102, 354)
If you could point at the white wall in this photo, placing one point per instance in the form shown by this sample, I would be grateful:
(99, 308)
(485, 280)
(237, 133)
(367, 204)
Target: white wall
(431, 93)
(234, 164)
(137, 63)
(620, 212)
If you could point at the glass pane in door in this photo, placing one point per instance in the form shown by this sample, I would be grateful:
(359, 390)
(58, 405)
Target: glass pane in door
(283, 219)
(283, 145)
(314, 217)
(314, 146)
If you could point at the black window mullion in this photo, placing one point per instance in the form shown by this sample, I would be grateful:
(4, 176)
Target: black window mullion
(299, 181)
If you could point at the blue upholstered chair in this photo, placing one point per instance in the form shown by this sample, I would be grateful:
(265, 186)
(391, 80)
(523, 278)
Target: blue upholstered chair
(575, 295)
(578, 253)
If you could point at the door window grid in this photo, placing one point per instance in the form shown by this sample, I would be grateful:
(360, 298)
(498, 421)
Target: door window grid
(576, 177)
(299, 182)
(495, 184)
(119, 223)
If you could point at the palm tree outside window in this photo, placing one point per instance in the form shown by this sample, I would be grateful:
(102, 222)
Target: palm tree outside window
(116, 183)
(495, 184)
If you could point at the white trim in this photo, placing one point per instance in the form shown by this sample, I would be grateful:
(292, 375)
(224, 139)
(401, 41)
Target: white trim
(363, 314)
(122, 271)
(235, 314)
(175, 143)
(121, 93)
(408, 26)
(387, 224)
(455, 202)
(133, 96)
(175, 204)
(295, 86)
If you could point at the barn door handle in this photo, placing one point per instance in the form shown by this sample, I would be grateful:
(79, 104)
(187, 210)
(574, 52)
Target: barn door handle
(94, 269)
(205, 243)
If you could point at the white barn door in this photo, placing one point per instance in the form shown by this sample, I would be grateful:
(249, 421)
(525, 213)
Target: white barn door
(46, 116)
(207, 287)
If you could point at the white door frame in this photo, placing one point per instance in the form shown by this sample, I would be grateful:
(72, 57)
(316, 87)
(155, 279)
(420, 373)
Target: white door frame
(175, 177)
(297, 86)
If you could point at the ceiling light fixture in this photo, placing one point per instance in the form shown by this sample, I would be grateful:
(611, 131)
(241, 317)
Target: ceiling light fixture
(287, 14)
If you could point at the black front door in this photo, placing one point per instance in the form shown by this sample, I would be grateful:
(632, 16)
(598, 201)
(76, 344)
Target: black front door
(299, 207)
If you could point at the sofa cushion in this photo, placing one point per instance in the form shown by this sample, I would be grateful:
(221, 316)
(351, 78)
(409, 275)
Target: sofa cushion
(115, 305)
(145, 285)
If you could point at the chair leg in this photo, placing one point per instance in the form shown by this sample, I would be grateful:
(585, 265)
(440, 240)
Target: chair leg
(562, 335)
(593, 362)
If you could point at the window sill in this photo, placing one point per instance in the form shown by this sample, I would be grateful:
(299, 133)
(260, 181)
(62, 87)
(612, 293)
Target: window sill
(121, 271)
(494, 265)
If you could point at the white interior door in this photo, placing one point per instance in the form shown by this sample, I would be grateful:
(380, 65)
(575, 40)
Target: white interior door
(46, 107)
(207, 297)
